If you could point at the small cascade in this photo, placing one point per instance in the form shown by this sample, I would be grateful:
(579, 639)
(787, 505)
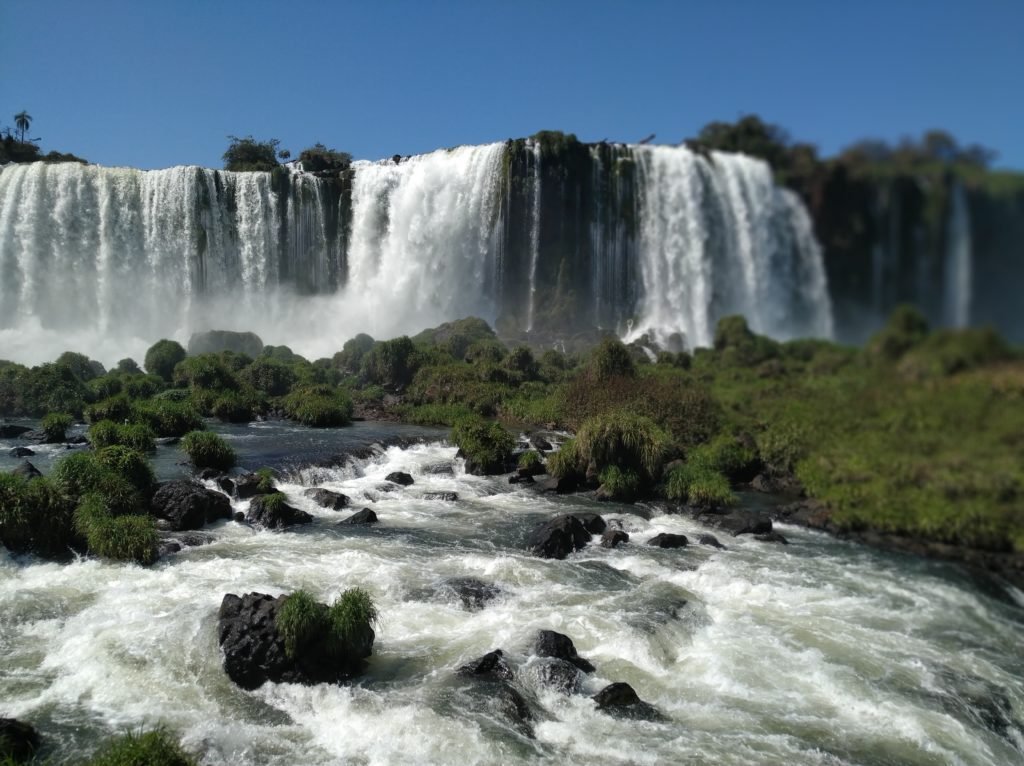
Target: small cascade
(536, 181)
(957, 267)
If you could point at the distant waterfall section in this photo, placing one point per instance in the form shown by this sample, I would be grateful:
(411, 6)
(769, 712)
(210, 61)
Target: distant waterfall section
(638, 240)
(957, 298)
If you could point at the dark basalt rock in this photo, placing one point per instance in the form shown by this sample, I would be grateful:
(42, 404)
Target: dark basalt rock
(755, 527)
(184, 504)
(564, 485)
(401, 478)
(612, 538)
(326, 498)
(473, 593)
(254, 652)
(26, 470)
(772, 537)
(209, 474)
(619, 699)
(560, 675)
(492, 666)
(365, 516)
(710, 540)
(239, 517)
(540, 444)
(18, 740)
(559, 537)
(560, 646)
(226, 485)
(248, 485)
(22, 452)
(174, 543)
(511, 705)
(536, 469)
(668, 540)
(518, 478)
(592, 522)
(448, 497)
(265, 513)
(10, 431)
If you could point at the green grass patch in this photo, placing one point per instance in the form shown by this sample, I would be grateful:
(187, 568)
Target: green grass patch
(206, 449)
(154, 748)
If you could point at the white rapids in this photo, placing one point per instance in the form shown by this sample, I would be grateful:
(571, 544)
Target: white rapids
(820, 652)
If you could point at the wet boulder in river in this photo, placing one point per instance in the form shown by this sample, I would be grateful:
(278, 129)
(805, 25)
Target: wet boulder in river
(559, 537)
(26, 470)
(185, 504)
(365, 516)
(492, 666)
(400, 477)
(668, 540)
(558, 645)
(620, 699)
(326, 498)
(272, 512)
(18, 741)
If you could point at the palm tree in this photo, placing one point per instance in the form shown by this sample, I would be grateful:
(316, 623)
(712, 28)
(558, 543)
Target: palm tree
(22, 120)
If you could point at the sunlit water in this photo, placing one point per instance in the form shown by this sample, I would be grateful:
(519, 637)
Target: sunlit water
(820, 652)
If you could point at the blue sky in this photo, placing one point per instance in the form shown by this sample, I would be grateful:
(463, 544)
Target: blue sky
(157, 84)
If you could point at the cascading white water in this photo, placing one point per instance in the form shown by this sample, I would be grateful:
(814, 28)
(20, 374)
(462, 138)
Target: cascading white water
(535, 191)
(423, 241)
(958, 277)
(719, 237)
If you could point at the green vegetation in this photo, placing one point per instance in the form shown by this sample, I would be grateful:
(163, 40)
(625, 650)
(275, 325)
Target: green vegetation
(621, 485)
(55, 425)
(136, 436)
(120, 538)
(302, 621)
(530, 460)
(486, 445)
(208, 450)
(35, 517)
(323, 161)
(247, 154)
(162, 357)
(699, 485)
(319, 406)
(154, 748)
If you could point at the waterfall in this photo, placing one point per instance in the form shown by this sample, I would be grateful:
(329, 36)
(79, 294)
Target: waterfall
(718, 237)
(536, 181)
(957, 267)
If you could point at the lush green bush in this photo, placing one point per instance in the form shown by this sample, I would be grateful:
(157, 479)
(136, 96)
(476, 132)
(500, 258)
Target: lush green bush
(136, 436)
(106, 386)
(128, 463)
(35, 517)
(162, 357)
(565, 461)
(154, 748)
(117, 408)
(611, 359)
(350, 358)
(699, 485)
(947, 352)
(302, 621)
(55, 425)
(142, 386)
(905, 329)
(39, 390)
(130, 537)
(81, 366)
(248, 155)
(485, 444)
(727, 455)
(232, 407)
(624, 440)
(530, 460)
(432, 414)
(487, 351)
(621, 485)
(206, 371)
(741, 347)
(208, 450)
(168, 417)
(319, 406)
(268, 375)
(129, 366)
(390, 363)
(319, 159)
(521, 362)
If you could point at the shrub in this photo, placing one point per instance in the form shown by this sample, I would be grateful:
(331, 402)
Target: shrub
(136, 436)
(351, 614)
(620, 485)
(82, 473)
(698, 485)
(208, 450)
(47, 388)
(143, 386)
(727, 455)
(522, 363)
(486, 445)
(299, 621)
(129, 537)
(81, 366)
(389, 363)
(530, 460)
(154, 748)
(249, 155)
(168, 417)
(319, 159)
(624, 440)
(303, 621)
(206, 371)
(905, 329)
(35, 517)
(116, 408)
(129, 463)
(741, 347)
(106, 386)
(947, 352)
(565, 461)
(162, 357)
(231, 407)
(55, 426)
(350, 358)
(612, 359)
(319, 406)
(128, 366)
(268, 375)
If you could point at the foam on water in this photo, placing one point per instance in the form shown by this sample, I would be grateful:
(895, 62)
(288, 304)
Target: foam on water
(815, 653)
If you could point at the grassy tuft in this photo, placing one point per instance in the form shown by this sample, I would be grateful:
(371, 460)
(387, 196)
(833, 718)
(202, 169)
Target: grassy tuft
(699, 485)
(154, 748)
(208, 450)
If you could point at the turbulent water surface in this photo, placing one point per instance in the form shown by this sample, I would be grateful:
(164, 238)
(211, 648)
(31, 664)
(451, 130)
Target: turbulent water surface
(820, 652)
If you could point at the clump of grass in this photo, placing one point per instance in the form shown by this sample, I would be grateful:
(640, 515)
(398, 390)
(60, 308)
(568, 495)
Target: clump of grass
(699, 485)
(620, 485)
(35, 517)
(319, 406)
(83, 473)
(128, 463)
(303, 621)
(55, 426)
(169, 414)
(565, 461)
(120, 538)
(530, 460)
(625, 440)
(727, 455)
(486, 444)
(154, 748)
(136, 436)
(352, 613)
(208, 450)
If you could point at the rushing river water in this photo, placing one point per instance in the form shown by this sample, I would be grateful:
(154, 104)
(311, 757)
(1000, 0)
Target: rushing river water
(820, 652)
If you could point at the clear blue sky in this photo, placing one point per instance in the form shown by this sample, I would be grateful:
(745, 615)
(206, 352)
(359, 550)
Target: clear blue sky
(154, 84)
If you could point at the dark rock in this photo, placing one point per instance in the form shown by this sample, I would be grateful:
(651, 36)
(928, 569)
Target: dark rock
(494, 468)
(448, 497)
(772, 537)
(10, 431)
(239, 517)
(517, 478)
(559, 537)
(326, 498)
(18, 740)
(560, 675)
(473, 593)
(77, 439)
(21, 452)
(400, 477)
(540, 444)
(564, 485)
(365, 516)
(387, 487)
(613, 537)
(592, 521)
(536, 469)
(209, 474)
(513, 707)
(710, 540)
(755, 527)
(26, 470)
(439, 469)
(560, 646)
(226, 485)
(491, 666)
(184, 504)
(267, 512)
(619, 699)
(167, 547)
(668, 540)
(249, 485)
(254, 652)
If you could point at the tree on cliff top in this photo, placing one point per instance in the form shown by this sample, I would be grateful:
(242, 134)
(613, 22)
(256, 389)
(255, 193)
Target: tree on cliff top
(248, 154)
